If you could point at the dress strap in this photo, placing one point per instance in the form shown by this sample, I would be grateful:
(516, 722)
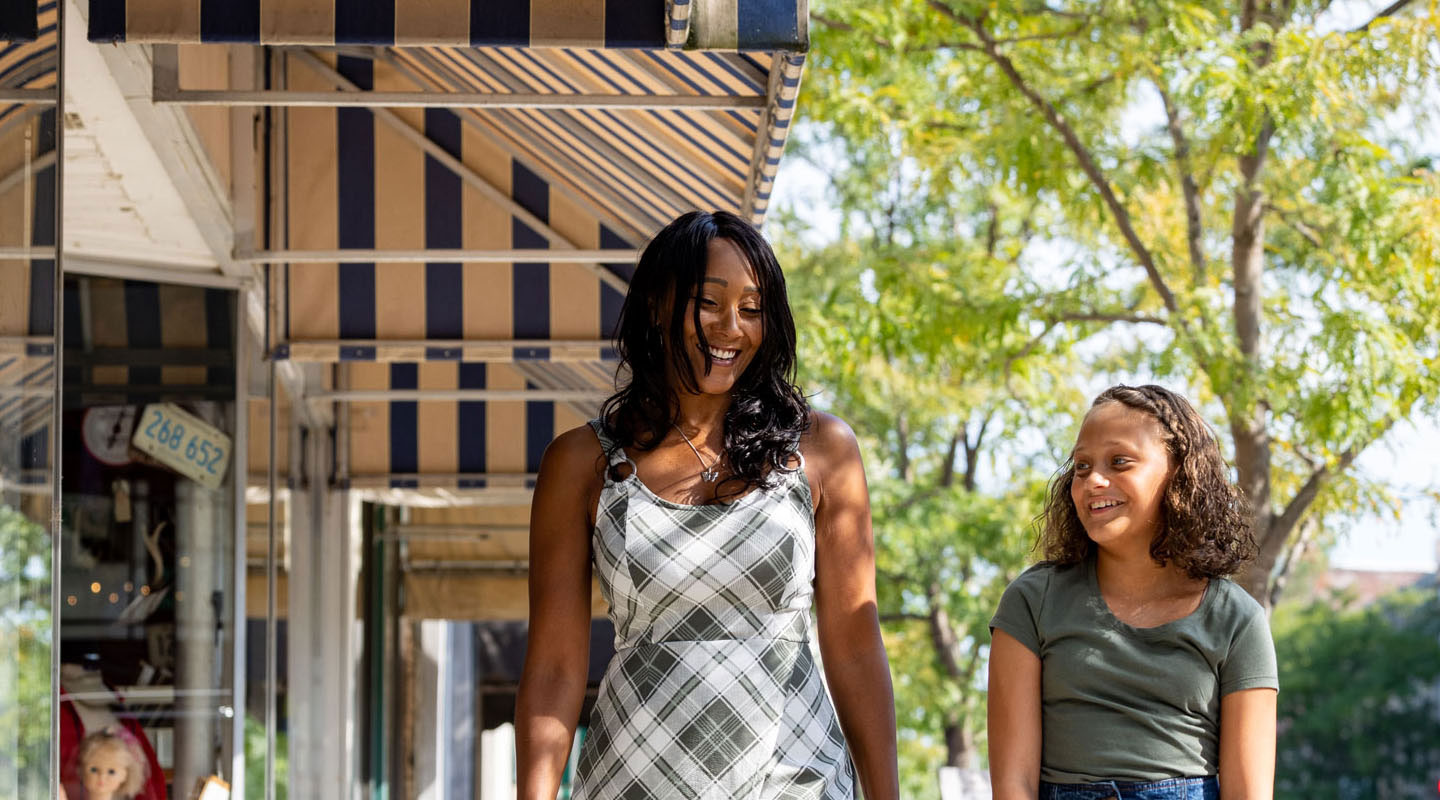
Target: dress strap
(614, 453)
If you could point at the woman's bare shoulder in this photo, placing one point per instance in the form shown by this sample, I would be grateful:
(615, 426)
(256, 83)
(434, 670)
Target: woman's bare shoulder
(828, 438)
(829, 446)
(576, 453)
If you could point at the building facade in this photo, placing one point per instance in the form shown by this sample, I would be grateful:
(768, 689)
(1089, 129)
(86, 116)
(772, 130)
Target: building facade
(292, 299)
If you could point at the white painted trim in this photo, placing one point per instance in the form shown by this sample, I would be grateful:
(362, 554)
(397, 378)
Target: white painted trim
(79, 264)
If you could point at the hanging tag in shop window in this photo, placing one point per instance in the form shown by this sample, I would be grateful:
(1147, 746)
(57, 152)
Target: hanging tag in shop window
(215, 789)
(120, 489)
(184, 442)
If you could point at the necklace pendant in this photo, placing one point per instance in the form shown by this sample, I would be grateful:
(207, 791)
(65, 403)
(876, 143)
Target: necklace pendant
(710, 475)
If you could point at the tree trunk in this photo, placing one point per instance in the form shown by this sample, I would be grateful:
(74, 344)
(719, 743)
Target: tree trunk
(959, 746)
(902, 451)
(1249, 410)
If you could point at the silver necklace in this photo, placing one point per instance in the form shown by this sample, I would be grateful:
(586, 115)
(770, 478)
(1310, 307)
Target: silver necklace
(708, 472)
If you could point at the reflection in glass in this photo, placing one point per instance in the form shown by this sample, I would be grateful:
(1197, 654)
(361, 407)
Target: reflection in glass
(148, 528)
(27, 398)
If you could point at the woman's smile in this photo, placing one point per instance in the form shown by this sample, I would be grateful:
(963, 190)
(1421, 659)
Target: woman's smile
(727, 303)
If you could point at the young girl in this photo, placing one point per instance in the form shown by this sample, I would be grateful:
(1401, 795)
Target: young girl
(1126, 665)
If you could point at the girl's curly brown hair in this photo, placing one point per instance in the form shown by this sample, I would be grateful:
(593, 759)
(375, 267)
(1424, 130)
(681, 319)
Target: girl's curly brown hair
(1205, 524)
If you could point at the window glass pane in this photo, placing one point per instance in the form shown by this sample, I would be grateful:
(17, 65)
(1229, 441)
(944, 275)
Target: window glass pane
(27, 406)
(148, 539)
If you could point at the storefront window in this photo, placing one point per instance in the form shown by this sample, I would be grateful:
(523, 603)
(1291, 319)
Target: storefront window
(148, 539)
(28, 429)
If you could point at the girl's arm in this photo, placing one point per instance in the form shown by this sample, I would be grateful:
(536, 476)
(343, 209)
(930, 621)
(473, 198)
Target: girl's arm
(1247, 745)
(1014, 719)
(552, 685)
(853, 653)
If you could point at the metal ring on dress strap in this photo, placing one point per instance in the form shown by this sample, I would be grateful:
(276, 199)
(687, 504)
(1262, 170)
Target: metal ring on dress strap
(624, 457)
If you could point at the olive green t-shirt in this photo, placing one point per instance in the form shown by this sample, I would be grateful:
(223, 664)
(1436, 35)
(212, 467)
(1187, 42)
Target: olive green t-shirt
(1133, 704)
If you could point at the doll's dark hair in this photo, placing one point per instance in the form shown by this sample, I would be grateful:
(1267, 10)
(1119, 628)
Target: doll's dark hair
(1205, 526)
(768, 413)
(117, 741)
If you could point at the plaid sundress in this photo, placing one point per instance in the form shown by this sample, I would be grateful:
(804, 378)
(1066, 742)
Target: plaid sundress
(713, 692)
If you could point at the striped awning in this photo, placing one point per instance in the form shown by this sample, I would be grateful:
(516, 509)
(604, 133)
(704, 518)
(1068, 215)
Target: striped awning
(457, 267)
(134, 342)
(706, 24)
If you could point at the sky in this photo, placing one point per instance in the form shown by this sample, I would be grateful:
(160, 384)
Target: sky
(1407, 460)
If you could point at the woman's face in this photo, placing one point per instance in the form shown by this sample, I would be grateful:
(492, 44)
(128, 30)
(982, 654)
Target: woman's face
(730, 316)
(1121, 469)
(105, 772)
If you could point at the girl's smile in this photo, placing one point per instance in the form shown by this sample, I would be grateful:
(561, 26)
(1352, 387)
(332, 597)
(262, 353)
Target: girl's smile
(1122, 465)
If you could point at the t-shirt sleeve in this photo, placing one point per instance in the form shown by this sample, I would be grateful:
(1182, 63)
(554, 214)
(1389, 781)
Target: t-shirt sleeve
(1251, 661)
(1019, 611)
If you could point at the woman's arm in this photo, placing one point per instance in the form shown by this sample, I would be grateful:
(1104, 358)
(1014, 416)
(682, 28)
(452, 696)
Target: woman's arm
(1247, 745)
(853, 653)
(1014, 719)
(552, 686)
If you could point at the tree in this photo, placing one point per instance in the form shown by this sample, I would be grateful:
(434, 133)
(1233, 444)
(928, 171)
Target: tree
(908, 357)
(1267, 238)
(1359, 711)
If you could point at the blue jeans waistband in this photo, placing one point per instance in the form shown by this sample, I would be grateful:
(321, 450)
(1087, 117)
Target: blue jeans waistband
(1204, 788)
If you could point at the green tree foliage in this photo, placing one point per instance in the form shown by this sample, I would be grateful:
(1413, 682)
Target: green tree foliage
(255, 749)
(1238, 196)
(25, 640)
(1360, 699)
(899, 328)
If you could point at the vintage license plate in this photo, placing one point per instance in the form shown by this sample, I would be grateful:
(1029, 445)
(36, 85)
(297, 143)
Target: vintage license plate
(183, 442)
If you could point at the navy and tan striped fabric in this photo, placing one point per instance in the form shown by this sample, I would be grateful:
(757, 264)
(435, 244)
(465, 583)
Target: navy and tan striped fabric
(714, 24)
(27, 285)
(20, 21)
(642, 167)
(147, 342)
(450, 443)
(354, 182)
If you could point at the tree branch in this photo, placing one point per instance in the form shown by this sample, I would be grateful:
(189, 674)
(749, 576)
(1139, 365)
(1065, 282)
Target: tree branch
(947, 470)
(972, 450)
(845, 27)
(1293, 555)
(942, 633)
(886, 44)
(1108, 316)
(1194, 227)
(1299, 225)
(1084, 89)
(1388, 11)
(1077, 148)
(1289, 517)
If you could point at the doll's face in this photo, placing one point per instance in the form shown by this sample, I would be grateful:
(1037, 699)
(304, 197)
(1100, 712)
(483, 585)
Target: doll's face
(105, 772)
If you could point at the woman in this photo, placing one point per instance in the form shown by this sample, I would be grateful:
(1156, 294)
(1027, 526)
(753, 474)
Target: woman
(713, 505)
(1126, 665)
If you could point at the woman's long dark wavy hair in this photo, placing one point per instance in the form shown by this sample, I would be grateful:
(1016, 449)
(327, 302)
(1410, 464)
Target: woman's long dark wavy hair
(767, 413)
(1205, 526)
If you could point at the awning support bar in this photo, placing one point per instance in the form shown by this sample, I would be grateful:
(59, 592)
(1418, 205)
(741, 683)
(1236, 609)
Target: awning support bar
(483, 395)
(420, 256)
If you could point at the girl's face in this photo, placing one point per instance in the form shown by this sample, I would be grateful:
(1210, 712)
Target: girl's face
(105, 772)
(730, 316)
(1121, 469)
